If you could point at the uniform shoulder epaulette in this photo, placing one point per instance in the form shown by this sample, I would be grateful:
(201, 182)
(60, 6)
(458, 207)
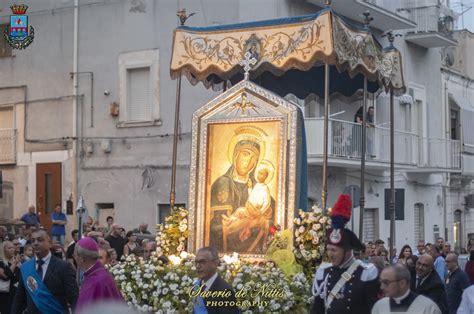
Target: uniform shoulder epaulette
(321, 269)
(369, 272)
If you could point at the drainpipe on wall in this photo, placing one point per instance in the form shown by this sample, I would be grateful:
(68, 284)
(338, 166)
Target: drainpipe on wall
(75, 123)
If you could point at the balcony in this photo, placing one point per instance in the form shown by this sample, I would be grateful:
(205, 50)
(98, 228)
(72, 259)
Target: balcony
(440, 153)
(434, 24)
(411, 152)
(384, 19)
(7, 146)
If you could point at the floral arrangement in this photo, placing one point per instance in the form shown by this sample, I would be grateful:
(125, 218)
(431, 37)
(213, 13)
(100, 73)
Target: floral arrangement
(171, 237)
(260, 287)
(309, 232)
(274, 285)
(152, 286)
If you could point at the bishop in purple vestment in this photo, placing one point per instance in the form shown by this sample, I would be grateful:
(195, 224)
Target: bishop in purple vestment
(98, 285)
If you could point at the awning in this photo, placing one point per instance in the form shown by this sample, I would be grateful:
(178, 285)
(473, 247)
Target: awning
(466, 117)
(290, 54)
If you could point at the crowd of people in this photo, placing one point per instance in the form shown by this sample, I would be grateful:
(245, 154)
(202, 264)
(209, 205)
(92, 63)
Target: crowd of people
(39, 273)
(60, 262)
(433, 268)
(362, 278)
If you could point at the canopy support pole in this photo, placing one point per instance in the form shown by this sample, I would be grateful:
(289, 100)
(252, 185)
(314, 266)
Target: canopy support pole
(362, 164)
(324, 193)
(367, 19)
(392, 175)
(182, 20)
(175, 143)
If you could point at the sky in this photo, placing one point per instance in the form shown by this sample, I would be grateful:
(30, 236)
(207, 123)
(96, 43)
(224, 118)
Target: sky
(468, 15)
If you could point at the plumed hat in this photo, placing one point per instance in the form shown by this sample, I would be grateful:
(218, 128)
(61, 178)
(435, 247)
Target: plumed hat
(339, 235)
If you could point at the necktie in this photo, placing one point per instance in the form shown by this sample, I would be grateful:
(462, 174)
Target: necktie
(418, 281)
(39, 270)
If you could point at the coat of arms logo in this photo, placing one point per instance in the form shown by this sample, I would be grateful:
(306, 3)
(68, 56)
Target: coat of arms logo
(18, 35)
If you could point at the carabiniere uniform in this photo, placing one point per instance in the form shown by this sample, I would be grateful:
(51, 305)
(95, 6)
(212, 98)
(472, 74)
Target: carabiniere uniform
(351, 287)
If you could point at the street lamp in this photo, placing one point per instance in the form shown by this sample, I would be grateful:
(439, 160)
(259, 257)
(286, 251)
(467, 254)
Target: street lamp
(81, 213)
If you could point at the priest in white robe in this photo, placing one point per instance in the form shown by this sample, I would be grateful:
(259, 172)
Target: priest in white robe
(395, 283)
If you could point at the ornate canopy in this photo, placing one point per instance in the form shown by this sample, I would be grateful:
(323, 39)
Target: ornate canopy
(289, 53)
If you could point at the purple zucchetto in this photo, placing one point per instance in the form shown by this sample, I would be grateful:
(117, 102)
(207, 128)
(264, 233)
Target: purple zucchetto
(88, 244)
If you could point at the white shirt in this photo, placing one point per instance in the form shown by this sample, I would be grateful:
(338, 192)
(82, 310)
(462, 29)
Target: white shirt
(210, 281)
(467, 302)
(46, 261)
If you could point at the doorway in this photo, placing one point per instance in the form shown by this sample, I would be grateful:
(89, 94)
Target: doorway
(48, 191)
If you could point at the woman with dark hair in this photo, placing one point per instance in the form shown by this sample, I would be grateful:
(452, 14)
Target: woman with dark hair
(469, 268)
(405, 253)
(131, 243)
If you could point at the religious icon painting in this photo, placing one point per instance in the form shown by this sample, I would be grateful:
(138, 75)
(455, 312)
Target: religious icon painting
(243, 170)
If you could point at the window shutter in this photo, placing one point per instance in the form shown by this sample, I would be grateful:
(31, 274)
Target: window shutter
(139, 100)
(369, 224)
(419, 222)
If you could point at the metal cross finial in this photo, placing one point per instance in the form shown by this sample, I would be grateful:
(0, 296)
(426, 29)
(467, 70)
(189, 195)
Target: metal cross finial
(183, 17)
(391, 37)
(367, 18)
(247, 63)
(328, 3)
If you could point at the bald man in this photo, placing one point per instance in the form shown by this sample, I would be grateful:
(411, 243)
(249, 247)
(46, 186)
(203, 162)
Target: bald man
(456, 282)
(395, 283)
(428, 283)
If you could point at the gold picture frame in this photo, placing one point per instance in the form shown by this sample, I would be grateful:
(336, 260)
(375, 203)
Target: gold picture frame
(243, 170)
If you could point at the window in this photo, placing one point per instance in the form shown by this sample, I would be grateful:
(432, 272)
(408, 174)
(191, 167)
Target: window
(6, 118)
(457, 230)
(454, 124)
(139, 102)
(371, 232)
(104, 210)
(5, 48)
(419, 212)
(139, 89)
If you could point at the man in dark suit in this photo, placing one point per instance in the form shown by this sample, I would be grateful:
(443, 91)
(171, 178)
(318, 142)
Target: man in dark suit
(47, 283)
(207, 261)
(427, 283)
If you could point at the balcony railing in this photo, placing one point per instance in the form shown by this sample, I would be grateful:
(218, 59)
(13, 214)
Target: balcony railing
(7, 146)
(440, 153)
(345, 142)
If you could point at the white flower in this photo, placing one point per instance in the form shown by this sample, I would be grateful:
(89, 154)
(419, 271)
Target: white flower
(301, 229)
(298, 221)
(316, 209)
(183, 228)
(165, 291)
